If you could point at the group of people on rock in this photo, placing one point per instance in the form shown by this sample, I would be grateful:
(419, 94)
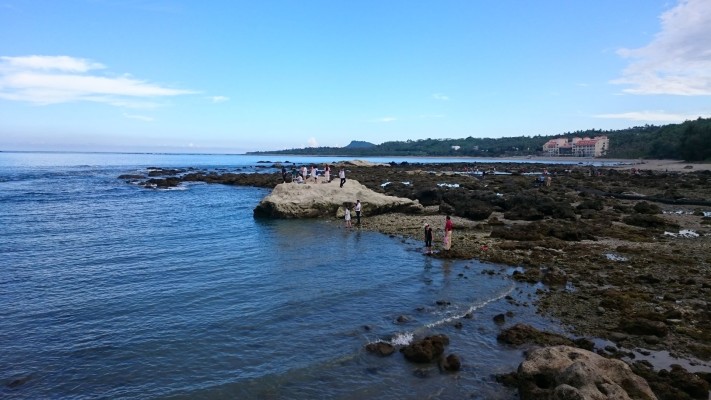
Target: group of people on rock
(303, 174)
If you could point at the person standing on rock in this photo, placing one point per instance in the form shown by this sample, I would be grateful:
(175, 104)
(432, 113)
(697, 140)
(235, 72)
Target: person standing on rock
(347, 217)
(357, 211)
(283, 173)
(314, 173)
(342, 175)
(327, 173)
(428, 239)
(448, 227)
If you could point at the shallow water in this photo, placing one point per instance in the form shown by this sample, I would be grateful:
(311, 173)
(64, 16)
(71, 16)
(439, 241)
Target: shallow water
(114, 291)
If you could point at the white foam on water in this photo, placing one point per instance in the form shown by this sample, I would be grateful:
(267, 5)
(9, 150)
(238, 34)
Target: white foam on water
(385, 184)
(451, 185)
(402, 339)
(472, 308)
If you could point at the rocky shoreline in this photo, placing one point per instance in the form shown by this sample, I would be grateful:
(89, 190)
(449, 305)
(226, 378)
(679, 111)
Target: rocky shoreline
(624, 253)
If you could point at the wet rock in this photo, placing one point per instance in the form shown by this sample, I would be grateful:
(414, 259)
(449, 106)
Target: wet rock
(17, 382)
(522, 333)
(675, 384)
(401, 319)
(563, 372)
(499, 319)
(645, 221)
(644, 207)
(425, 350)
(451, 363)
(380, 348)
(644, 327)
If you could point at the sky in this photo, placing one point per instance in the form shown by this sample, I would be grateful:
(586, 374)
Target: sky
(235, 76)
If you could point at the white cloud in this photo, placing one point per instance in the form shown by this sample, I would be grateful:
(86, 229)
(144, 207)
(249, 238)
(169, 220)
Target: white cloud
(678, 60)
(650, 116)
(59, 63)
(60, 79)
(385, 119)
(312, 142)
(219, 99)
(139, 117)
(440, 96)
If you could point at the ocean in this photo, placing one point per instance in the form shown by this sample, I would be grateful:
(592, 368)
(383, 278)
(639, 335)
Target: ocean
(110, 290)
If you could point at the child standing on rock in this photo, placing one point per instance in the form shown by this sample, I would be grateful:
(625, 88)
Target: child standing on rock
(348, 217)
(428, 239)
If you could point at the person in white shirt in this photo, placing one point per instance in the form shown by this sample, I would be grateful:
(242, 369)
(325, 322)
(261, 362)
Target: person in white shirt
(357, 211)
(342, 175)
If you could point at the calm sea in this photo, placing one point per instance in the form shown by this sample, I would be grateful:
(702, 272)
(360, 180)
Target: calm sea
(109, 291)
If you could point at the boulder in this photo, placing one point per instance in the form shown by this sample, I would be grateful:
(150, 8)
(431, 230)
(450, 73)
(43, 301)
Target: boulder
(563, 372)
(426, 350)
(315, 200)
(380, 348)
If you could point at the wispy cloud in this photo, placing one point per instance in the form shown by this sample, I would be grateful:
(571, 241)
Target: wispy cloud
(440, 97)
(385, 119)
(312, 142)
(678, 60)
(139, 117)
(61, 79)
(219, 99)
(650, 116)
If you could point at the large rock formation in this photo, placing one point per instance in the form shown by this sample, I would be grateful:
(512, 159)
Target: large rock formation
(564, 372)
(313, 200)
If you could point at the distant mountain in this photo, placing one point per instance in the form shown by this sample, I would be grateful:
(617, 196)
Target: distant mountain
(359, 144)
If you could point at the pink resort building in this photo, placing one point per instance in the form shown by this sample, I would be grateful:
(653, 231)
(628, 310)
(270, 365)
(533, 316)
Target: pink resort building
(577, 147)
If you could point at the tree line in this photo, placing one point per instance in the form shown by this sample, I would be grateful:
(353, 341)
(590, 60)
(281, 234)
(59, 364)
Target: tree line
(689, 141)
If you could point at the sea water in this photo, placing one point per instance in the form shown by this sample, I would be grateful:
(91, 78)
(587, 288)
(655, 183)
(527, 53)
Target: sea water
(109, 290)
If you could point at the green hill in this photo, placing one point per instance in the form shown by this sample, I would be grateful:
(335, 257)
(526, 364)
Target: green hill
(689, 141)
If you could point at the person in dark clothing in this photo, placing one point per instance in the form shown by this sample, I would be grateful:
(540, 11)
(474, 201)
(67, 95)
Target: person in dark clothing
(428, 239)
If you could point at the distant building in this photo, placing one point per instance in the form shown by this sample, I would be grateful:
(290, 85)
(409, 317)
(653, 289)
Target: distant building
(577, 147)
(455, 148)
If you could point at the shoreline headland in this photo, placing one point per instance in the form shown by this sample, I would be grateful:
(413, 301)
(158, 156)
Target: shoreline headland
(621, 252)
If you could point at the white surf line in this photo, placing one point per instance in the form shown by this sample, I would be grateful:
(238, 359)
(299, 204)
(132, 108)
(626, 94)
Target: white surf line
(405, 338)
(473, 308)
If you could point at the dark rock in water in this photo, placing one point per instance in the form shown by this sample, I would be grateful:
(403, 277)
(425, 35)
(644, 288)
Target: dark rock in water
(644, 327)
(468, 315)
(443, 303)
(18, 382)
(523, 333)
(163, 183)
(425, 350)
(499, 319)
(163, 172)
(131, 177)
(451, 363)
(421, 373)
(458, 325)
(401, 319)
(380, 348)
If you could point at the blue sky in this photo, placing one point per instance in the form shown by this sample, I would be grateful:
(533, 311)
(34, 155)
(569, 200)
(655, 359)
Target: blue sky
(236, 76)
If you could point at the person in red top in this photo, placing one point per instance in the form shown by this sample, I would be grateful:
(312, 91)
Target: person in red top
(448, 233)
